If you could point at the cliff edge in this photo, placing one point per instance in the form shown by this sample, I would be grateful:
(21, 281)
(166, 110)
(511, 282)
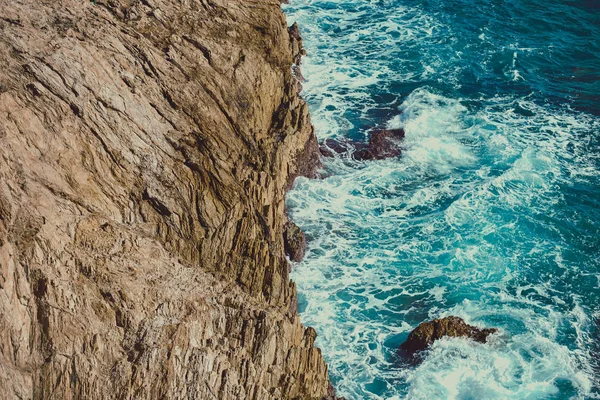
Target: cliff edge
(145, 150)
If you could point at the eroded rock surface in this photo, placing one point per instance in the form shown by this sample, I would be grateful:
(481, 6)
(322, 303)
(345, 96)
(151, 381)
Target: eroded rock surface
(427, 333)
(145, 150)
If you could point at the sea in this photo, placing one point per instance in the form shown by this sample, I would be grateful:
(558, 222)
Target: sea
(491, 214)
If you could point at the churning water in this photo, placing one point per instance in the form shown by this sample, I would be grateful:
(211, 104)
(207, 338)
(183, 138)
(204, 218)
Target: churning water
(491, 214)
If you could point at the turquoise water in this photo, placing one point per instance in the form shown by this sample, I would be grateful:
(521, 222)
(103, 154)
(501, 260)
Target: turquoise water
(492, 214)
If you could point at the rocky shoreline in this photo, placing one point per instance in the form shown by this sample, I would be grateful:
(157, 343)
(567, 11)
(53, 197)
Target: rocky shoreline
(146, 147)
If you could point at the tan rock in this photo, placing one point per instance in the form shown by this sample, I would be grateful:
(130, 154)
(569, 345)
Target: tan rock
(145, 150)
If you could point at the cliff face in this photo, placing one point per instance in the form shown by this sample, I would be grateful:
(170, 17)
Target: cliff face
(145, 150)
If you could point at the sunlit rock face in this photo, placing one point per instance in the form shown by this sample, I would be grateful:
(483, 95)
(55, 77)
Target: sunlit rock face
(145, 151)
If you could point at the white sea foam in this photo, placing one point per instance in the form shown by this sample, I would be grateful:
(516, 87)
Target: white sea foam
(504, 370)
(458, 226)
(336, 81)
(349, 209)
(434, 129)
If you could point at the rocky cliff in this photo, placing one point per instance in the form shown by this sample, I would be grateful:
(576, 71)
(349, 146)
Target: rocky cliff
(145, 150)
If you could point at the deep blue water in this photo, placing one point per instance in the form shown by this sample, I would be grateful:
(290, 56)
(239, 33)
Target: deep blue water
(492, 213)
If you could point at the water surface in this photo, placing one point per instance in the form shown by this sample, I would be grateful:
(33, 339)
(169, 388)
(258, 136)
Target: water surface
(492, 214)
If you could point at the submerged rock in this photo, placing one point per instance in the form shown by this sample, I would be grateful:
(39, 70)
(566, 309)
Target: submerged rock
(383, 143)
(343, 147)
(428, 332)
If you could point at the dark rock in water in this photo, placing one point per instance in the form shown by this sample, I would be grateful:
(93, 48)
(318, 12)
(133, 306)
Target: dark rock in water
(294, 242)
(428, 332)
(383, 143)
(331, 147)
(344, 147)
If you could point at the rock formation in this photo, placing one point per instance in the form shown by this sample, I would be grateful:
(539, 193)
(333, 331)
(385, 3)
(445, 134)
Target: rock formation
(294, 241)
(145, 150)
(383, 143)
(426, 333)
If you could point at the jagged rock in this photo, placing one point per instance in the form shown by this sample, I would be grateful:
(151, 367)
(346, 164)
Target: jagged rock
(308, 161)
(383, 143)
(294, 31)
(428, 332)
(294, 242)
(145, 150)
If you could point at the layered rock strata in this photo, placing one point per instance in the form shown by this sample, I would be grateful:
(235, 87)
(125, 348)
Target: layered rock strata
(145, 150)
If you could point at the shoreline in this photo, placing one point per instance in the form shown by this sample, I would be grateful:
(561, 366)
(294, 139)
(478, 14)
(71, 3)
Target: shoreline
(146, 149)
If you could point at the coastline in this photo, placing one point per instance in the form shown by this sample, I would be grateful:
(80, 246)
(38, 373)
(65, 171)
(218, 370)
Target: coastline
(146, 149)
